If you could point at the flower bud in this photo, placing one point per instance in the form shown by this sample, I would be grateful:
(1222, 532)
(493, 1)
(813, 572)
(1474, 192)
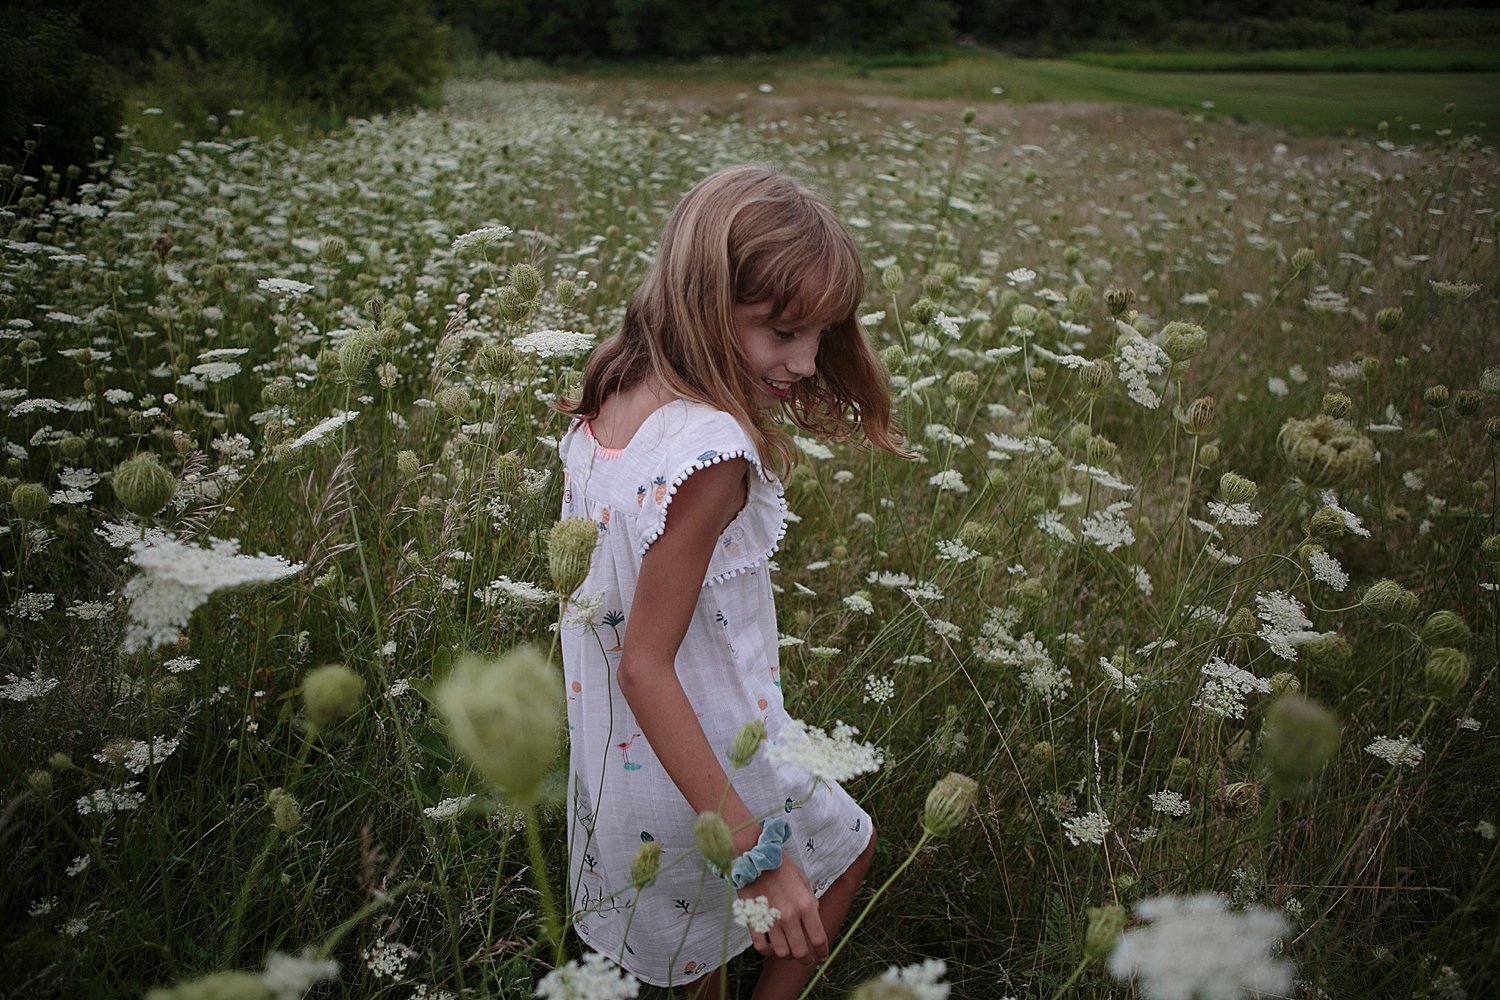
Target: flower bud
(1183, 341)
(331, 692)
(1243, 622)
(1106, 923)
(1080, 298)
(1238, 797)
(1327, 524)
(1300, 737)
(73, 447)
(923, 311)
(526, 280)
(1369, 367)
(1235, 489)
(1447, 671)
(504, 715)
(1387, 319)
(60, 762)
(333, 250)
(513, 307)
(279, 391)
(963, 384)
(566, 291)
(1489, 549)
(1096, 374)
(1208, 455)
(1284, 683)
(40, 783)
(1200, 415)
(143, 485)
(1327, 651)
(645, 865)
(497, 360)
(949, 804)
(893, 357)
(746, 742)
(1467, 402)
(1024, 315)
(1303, 258)
(1445, 628)
(1042, 754)
(355, 355)
(711, 835)
(233, 985)
(286, 814)
(1389, 600)
(892, 278)
(30, 501)
(1436, 396)
(454, 400)
(947, 273)
(1119, 299)
(408, 466)
(570, 549)
(1337, 404)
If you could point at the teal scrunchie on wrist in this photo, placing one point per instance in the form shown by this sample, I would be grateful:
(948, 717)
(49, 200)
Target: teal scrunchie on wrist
(765, 856)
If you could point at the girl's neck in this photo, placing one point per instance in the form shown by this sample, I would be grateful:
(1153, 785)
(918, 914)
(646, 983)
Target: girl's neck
(622, 414)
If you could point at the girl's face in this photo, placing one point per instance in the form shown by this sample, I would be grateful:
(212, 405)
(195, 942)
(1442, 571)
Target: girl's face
(780, 352)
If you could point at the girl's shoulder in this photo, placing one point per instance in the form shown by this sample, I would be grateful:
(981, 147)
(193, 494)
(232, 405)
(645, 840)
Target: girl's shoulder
(694, 434)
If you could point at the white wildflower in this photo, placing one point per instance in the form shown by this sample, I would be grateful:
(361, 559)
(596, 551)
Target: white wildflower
(592, 977)
(175, 579)
(481, 238)
(859, 603)
(879, 689)
(1351, 521)
(448, 808)
(948, 481)
(105, 801)
(1396, 750)
(1138, 360)
(953, 550)
(554, 343)
(26, 688)
(388, 959)
(920, 981)
(285, 289)
(1050, 523)
(812, 448)
(1089, 828)
(1224, 692)
(1238, 514)
(1170, 802)
(755, 914)
(1284, 624)
(1196, 948)
(289, 977)
(834, 757)
(1108, 528)
(321, 430)
(1118, 679)
(1327, 569)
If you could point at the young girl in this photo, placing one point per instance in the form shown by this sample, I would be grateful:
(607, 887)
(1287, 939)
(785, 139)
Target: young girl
(748, 313)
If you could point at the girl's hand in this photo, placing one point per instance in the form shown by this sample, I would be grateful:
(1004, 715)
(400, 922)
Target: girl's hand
(798, 933)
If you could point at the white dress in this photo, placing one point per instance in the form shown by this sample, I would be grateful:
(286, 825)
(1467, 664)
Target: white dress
(619, 795)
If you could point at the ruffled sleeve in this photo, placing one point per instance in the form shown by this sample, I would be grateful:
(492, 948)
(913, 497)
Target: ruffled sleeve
(696, 439)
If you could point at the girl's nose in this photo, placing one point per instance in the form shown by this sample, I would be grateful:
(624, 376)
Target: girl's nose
(804, 361)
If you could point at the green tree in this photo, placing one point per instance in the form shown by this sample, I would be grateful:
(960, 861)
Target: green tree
(357, 57)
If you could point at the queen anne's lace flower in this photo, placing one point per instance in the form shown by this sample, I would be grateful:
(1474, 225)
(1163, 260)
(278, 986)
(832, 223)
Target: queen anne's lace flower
(918, 982)
(1196, 948)
(756, 914)
(835, 756)
(1089, 828)
(1396, 750)
(553, 343)
(592, 977)
(175, 579)
(1170, 802)
(1224, 692)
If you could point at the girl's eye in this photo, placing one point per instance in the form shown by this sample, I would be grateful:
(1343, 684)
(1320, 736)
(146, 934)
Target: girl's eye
(785, 334)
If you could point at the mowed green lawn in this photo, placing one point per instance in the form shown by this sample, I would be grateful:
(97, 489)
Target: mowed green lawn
(1333, 102)
(1321, 102)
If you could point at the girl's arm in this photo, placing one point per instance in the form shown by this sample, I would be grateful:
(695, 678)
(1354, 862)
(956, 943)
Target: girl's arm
(667, 592)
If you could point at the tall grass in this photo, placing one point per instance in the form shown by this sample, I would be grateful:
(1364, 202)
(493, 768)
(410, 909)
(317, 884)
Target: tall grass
(1032, 602)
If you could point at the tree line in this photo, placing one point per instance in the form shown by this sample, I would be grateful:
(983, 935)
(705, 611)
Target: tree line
(65, 63)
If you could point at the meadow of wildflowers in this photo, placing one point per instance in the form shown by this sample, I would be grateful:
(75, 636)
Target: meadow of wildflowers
(1193, 581)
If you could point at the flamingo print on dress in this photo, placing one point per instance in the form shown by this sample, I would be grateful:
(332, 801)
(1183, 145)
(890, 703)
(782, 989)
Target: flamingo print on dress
(624, 748)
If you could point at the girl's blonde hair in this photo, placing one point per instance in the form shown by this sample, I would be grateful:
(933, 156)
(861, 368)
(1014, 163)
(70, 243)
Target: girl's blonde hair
(749, 234)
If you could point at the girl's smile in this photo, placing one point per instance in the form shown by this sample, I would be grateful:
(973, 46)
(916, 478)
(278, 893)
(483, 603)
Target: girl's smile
(780, 353)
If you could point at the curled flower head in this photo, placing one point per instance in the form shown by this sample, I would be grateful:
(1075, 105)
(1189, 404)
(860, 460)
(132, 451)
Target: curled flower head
(949, 803)
(1325, 451)
(504, 715)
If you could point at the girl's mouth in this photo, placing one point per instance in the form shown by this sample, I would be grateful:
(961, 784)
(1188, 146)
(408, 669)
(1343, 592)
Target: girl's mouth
(781, 390)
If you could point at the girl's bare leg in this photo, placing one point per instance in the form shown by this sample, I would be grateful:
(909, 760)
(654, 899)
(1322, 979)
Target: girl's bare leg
(784, 978)
(710, 987)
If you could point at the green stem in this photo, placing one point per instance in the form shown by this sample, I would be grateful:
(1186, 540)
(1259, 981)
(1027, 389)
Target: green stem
(551, 922)
(848, 934)
(1083, 963)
